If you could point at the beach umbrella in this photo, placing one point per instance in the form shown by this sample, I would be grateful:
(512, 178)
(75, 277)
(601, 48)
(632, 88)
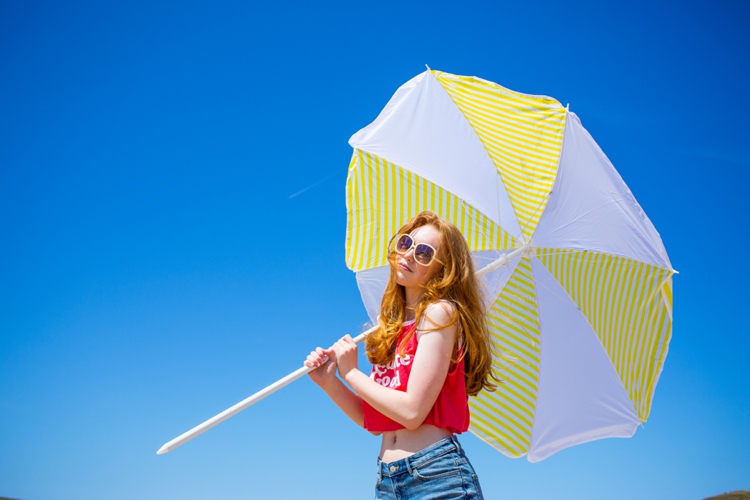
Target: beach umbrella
(577, 281)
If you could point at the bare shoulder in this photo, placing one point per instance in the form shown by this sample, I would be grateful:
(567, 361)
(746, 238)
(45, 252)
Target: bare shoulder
(440, 312)
(436, 316)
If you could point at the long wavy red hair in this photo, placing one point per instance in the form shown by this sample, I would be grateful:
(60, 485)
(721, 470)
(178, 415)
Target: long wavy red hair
(454, 282)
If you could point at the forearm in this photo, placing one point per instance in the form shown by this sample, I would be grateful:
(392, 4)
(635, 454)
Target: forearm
(399, 406)
(346, 400)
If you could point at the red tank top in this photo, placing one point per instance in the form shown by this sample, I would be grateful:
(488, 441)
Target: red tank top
(451, 408)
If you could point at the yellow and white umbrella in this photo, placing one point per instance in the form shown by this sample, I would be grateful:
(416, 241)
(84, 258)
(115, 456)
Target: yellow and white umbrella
(578, 283)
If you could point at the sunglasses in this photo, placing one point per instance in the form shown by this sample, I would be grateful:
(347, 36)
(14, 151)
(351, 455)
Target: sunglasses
(424, 254)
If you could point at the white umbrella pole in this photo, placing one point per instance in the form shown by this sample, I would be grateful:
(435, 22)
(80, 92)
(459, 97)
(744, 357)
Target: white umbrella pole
(229, 412)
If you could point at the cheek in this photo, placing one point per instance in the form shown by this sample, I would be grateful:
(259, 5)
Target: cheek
(424, 274)
(434, 270)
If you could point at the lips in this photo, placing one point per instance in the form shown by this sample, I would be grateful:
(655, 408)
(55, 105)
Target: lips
(404, 267)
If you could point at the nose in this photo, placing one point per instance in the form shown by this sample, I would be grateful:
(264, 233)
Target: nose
(409, 255)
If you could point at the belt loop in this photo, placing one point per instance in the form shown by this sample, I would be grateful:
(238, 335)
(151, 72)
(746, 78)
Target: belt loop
(408, 465)
(380, 470)
(455, 441)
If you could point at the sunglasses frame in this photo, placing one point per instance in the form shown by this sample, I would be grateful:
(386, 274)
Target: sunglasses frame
(414, 246)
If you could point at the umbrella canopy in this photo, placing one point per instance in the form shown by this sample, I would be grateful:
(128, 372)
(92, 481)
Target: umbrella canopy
(578, 283)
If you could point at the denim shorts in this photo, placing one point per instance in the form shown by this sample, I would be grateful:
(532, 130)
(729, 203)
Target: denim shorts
(440, 471)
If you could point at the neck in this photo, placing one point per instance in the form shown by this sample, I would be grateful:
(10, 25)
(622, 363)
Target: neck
(412, 296)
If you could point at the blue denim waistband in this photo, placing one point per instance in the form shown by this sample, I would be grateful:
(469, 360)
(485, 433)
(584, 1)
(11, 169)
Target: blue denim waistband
(405, 465)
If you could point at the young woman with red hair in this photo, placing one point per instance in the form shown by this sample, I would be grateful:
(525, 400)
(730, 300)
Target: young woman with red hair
(430, 353)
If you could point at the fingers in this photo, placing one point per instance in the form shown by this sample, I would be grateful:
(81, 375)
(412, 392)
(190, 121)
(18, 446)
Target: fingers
(345, 343)
(320, 356)
(346, 355)
(345, 346)
(348, 340)
(316, 358)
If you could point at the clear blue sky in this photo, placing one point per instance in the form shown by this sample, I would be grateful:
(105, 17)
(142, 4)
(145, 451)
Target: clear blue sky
(156, 267)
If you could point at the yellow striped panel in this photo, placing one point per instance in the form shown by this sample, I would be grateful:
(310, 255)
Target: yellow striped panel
(523, 135)
(381, 197)
(504, 418)
(629, 306)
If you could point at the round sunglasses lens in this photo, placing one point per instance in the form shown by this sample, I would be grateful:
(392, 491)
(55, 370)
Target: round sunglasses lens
(423, 254)
(404, 243)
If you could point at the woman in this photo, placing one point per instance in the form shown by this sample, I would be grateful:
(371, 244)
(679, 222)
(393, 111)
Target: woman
(432, 334)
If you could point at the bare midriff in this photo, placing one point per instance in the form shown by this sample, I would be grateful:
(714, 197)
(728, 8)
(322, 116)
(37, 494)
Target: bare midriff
(397, 445)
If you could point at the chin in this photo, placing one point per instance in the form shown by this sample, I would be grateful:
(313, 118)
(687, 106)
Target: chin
(402, 280)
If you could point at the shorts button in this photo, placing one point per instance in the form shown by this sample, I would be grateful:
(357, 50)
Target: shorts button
(394, 468)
